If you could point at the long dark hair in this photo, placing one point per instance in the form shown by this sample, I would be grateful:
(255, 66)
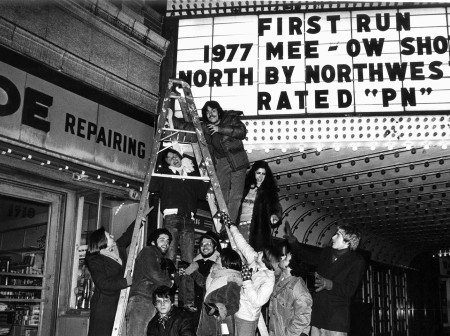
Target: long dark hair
(164, 156)
(97, 241)
(213, 105)
(231, 259)
(268, 185)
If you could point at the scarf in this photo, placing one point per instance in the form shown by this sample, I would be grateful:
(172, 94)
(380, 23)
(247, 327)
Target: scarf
(176, 170)
(112, 252)
(163, 319)
(337, 253)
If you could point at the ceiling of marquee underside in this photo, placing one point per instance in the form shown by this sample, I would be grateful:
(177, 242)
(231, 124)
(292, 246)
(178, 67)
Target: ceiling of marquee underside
(398, 198)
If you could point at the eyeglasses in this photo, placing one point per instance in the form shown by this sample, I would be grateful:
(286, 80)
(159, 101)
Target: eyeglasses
(206, 244)
(160, 302)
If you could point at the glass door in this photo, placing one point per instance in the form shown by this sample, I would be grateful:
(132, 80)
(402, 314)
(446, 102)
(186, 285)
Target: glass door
(28, 235)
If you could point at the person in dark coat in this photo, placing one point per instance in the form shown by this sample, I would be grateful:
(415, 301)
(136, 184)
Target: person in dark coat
(170, 320)
(106, 260)
(339, 273)
(199, 269)
(260, 209)
(224, 132)
(150, 272)
(179, 201)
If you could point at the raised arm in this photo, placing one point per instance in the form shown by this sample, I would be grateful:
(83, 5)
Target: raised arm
(243, 246)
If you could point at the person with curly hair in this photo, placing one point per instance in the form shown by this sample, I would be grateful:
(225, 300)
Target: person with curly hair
(224, 132)
(260, 209)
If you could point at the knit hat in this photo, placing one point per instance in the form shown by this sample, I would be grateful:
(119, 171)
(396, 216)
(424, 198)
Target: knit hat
(214, 237)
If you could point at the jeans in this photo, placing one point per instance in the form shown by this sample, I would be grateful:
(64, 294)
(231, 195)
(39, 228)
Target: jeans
(232, 185)
(140, 310)
(182, 230)
(245, 328)
(323, 332)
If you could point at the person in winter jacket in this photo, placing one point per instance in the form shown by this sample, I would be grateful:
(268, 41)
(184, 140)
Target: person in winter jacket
(200, 268)
(106, 260)
(169, 320)
(290, 303)
(224, 132)
(257, 286)
(148, 275)
(339, 273)
(223, 287)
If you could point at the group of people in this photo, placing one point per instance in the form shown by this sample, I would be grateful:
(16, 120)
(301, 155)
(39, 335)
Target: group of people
(222, 291)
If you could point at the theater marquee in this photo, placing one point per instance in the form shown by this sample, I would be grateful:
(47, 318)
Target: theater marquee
(364, 62)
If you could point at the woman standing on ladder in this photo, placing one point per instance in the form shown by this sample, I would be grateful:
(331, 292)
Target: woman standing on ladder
(260, 209)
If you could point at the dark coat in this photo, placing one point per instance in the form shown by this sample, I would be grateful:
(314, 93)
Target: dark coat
(331, 308)
(148, 273)
(182, 194)
(108, 277)
(180, 323)
(266, 205)
(232, 132)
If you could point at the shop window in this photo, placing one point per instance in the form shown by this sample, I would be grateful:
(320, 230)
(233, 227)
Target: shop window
(94, 211)
(22, 254)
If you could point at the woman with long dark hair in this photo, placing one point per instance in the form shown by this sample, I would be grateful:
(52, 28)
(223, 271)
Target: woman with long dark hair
(260, 209)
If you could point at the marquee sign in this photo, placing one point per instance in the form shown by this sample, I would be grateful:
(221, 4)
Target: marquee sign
(364, 62)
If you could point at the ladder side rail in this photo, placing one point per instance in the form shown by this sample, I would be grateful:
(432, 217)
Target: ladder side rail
(132, 254)
(191, 111)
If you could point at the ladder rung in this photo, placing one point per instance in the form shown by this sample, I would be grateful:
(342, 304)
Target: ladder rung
(178, 130)
(182, 177)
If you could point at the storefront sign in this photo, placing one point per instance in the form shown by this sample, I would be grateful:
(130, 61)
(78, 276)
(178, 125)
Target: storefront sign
(368, 61)
(56, 120)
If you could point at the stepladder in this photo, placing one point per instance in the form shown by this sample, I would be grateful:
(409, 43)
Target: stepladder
(166, 136)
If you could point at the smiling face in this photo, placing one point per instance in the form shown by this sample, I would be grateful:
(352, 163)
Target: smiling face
(206, 247)
(260, 175)
(338, 240)
(163, 243)
(213, 115)
(173, 160)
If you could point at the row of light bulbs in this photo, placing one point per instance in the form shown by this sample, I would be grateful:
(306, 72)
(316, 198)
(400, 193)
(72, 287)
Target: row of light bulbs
(442, 253)
(337, 147)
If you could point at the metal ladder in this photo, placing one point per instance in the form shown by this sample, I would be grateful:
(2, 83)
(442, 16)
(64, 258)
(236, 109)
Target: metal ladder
(197, 139)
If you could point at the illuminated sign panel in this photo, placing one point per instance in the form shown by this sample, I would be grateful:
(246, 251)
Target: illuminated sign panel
(394, 61)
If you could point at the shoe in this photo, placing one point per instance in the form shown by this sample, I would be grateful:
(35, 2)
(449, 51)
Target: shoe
(190, 308)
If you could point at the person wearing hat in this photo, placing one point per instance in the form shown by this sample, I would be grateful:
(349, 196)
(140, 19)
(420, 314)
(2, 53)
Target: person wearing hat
(199, 269)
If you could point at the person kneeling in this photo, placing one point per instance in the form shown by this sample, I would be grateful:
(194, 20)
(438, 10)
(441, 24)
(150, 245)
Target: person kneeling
(170, 320)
